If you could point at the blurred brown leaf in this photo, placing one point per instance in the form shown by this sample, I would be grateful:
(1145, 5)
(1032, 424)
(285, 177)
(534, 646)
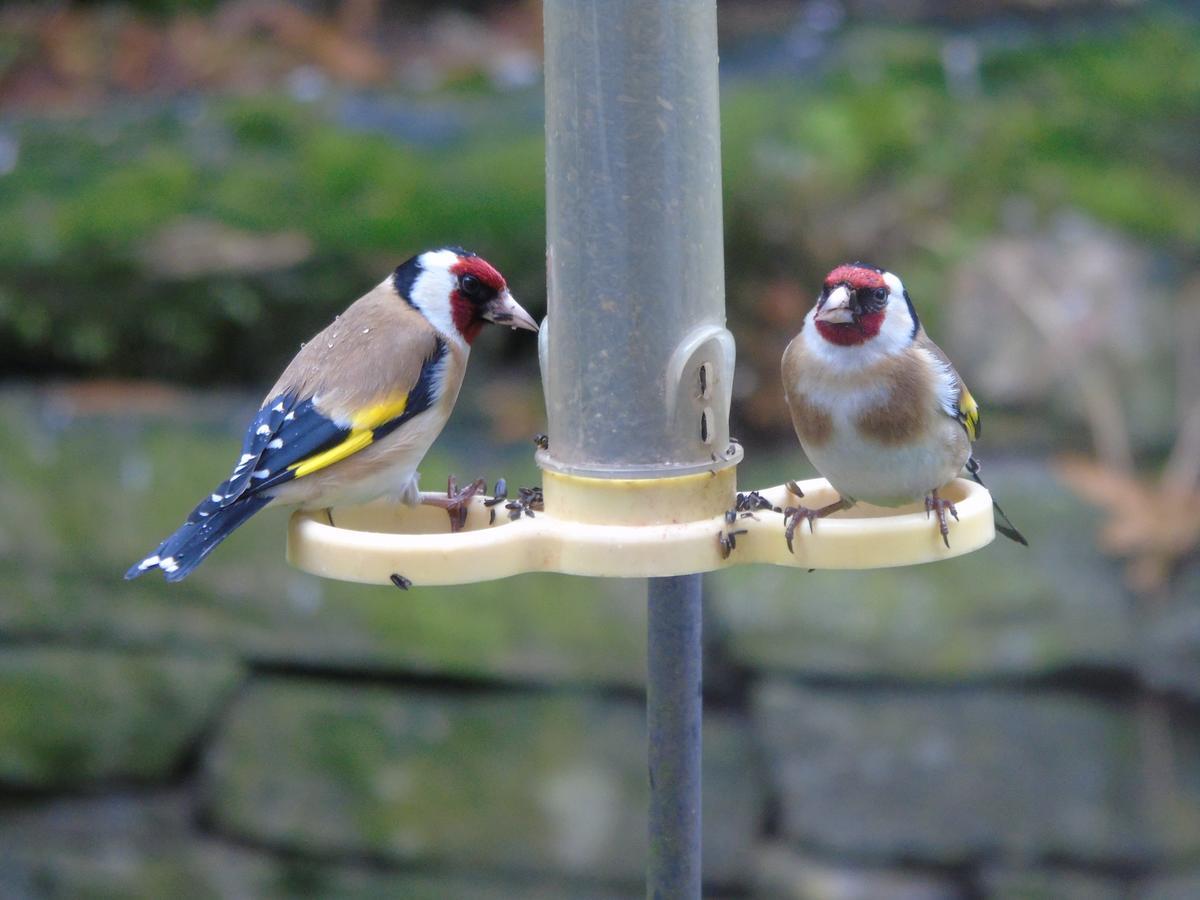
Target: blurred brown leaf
(318, 39)
(513, 408)
(782, 304)
(1151, 523)
(193, 248)
(138, 56)
(112, 396)
(75, 56)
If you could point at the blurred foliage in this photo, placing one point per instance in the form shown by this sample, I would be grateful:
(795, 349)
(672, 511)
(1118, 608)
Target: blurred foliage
(887, 156)
(1109, 124)
(77, 291)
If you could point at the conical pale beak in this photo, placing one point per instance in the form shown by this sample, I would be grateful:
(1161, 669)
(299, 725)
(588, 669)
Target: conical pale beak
(504, 310)
(836, 308)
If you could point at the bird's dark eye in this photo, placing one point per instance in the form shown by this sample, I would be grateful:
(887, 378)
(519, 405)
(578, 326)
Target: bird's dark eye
(880, 293)
(470, 285)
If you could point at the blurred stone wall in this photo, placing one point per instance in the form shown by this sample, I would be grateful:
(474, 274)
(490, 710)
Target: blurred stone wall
(1013, 724)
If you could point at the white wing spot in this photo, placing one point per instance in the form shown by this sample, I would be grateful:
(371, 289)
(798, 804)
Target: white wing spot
(216, 498)
(275, 444)
(263, 429)
(278, 407)
(148, 562)
(261, 473)
(289, 417)
(168, 564)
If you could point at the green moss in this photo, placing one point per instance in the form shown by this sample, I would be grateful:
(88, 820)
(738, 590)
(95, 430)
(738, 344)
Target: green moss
(119, 486)
(121, 206)
(523, 781)
(74, 716)
(1108, 123)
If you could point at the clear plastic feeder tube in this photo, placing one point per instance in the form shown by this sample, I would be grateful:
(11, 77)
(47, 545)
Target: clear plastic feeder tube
(636, 362)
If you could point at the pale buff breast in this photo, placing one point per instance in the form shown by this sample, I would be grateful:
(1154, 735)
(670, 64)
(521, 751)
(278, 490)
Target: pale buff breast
(878, 434)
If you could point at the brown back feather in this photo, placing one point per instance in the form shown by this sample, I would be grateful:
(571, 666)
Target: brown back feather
(372, 351)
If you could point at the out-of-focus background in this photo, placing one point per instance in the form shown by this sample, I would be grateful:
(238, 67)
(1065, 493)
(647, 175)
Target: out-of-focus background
(189, 188)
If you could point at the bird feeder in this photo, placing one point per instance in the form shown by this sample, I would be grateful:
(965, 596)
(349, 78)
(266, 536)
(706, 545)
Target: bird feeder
(637, 365)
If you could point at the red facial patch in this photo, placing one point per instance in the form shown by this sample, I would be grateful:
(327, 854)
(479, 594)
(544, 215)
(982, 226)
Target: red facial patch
(850, 334)
(856, 276)
(481, 269)
(465, 313)
(466, 317)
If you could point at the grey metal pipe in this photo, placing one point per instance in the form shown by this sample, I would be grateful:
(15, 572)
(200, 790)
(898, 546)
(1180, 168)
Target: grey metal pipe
(674, 711)
(635, 259)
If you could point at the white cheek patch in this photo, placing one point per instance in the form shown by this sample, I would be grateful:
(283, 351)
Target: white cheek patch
(432, 289)
(897, 330)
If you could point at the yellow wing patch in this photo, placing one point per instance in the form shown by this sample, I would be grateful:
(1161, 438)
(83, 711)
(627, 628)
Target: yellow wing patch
(357, 440)
(375, 415)
(362, 434)
(968, 413)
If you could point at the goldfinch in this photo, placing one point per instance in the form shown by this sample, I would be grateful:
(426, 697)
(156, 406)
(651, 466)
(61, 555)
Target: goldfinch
(358, 407)
(878, 407)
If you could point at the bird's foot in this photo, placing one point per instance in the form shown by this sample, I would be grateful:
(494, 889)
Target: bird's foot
(794, 515)
(457, 502)
(934, 503)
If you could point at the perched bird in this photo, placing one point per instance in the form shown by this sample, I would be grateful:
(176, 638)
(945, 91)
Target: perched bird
(358, 407)
(878, 407)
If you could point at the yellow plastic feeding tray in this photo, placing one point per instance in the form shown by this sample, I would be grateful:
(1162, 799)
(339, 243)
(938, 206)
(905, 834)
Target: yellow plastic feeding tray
(627, 528)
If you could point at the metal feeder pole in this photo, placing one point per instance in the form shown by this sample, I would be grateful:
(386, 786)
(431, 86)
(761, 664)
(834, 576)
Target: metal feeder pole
(636, 271)
(674, 710)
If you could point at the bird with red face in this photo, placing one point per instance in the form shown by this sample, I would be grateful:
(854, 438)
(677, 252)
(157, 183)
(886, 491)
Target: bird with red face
(352, 415)
(879, 410)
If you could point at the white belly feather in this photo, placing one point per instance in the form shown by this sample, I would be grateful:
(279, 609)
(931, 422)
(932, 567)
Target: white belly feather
(886, 476)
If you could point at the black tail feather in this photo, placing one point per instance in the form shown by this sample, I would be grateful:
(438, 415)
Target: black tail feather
(198, 537)
(1004, 524)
